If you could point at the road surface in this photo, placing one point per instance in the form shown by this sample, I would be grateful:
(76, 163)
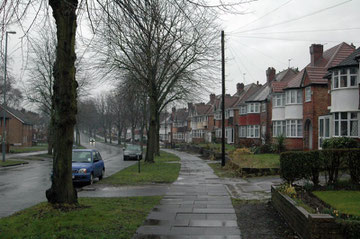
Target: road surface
(25, 185)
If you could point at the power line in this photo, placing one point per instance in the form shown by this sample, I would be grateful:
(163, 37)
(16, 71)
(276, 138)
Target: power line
(297, 18)
(265, 15)
(304, 31)
(234, 52)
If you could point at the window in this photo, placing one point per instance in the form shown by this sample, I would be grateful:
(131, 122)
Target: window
(346, 124)
(345, 78)
(229, 113)
(253, 131)
(243, 110)
(293, 97)
(218, 116)
(308, 94)
(278, 100)
(294, 128)
(263, 107)
(324, 129)
(254, 108)
(242, 132)
(279, 128)
(218, 133)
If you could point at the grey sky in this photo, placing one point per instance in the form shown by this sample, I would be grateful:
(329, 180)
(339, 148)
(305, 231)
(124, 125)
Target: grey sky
(270, 33)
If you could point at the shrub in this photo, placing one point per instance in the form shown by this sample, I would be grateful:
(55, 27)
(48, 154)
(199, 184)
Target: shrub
(265, 148)
(333, 159)
(340, 143)
(279, 145)
(353, 163)
(350, 228)
(298, 165)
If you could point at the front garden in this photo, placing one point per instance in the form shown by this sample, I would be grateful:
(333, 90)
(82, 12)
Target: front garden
(321, 184)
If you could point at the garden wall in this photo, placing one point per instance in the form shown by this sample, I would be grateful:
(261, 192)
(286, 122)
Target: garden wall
(308, 226)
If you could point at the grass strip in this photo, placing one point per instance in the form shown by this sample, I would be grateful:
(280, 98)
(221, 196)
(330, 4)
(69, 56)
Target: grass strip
(159, 172)
(17, 150)
(258, 161)
(222, 172)
(345, 201)
(94, 218)
(8, 163)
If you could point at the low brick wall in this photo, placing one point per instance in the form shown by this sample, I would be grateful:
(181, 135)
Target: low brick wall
(307, 225)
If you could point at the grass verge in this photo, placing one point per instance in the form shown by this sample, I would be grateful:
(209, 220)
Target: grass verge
(40, 157)
(17, 150)
(258, 161)
(217, 147)
(344, 201)
(159, 172)
(94, 218)
(222, 172)
(8, 163)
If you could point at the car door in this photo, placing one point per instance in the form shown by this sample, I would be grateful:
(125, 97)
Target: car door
(96, 165)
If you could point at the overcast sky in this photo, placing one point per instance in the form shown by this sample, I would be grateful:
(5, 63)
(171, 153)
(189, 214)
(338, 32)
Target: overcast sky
(269, 33)
(272, 32)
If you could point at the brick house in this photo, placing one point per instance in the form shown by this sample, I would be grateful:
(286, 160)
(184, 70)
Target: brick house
(300, 101)
(19, 129)
(179, 124)
(199, 121)
(343, 116)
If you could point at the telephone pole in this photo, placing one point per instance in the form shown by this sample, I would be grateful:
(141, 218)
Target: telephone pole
(223, 99)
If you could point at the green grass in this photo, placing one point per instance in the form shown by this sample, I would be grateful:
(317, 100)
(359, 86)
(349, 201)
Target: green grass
(40, 157)
(222, 172)
(17, 150)
(228, 147)
(259, 161)
(11, 163)
(159, 172)
(96, 218)
(345, 201)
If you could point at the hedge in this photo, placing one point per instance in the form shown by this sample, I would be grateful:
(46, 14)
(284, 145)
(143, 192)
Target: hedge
(307, 165)
(350, 228)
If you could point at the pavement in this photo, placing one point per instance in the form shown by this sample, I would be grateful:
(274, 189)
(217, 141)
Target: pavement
(197, 205)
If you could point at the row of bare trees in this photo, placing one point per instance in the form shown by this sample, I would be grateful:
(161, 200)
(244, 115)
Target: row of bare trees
(167, 49)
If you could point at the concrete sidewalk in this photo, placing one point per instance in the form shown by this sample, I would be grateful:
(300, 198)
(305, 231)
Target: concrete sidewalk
(197, 205)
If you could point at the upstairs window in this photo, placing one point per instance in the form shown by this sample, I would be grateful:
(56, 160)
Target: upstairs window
(278, 100)
(308, 94)
(253, 108)
(293, 96)
(263, 107)
(243, 110)
(347, 77)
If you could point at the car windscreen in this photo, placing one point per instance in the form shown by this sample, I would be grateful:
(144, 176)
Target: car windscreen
(81, 157)
(132, 147)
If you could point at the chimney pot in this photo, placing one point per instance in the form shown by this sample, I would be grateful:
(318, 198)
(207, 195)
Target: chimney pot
(270, 74)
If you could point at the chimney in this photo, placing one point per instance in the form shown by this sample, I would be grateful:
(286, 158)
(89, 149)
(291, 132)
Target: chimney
(240, 87)
(316, 52)
(190, 106)
(212, 98)
(270, 74)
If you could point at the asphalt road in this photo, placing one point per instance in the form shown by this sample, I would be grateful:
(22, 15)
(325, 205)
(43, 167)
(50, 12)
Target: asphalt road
(24, 186)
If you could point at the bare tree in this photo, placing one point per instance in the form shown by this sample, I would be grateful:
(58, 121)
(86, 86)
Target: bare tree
(170, 48)
(14, 97)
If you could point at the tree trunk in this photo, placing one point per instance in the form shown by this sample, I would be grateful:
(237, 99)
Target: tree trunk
(50, 138)
(119, 135)
(62, 190)
(132, 133)
(157, 141)
(152, 133)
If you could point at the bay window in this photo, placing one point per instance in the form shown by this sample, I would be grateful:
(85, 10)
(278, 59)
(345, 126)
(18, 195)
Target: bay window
(308, 94)
(242, 132)
(253, 108)
(279, 128)
(293, 97)
(243, 110)
(253, 131)
(294, 128)
(346, 124)
(347, 77)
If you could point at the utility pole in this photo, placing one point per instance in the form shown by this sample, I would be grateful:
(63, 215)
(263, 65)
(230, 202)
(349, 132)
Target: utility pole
(4, 104)
(223, 99)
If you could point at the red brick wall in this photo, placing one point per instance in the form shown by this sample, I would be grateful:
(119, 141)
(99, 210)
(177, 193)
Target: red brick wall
(253, 119)
(17, 132)
(294, 143)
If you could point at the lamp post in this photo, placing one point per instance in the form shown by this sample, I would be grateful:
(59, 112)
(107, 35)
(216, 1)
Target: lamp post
(4, 103)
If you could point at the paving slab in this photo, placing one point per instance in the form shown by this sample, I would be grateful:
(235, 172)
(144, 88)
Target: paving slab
(195, 206)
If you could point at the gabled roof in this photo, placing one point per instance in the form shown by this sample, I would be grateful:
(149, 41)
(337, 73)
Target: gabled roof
(282, 79)
(316, 73)
(261, 94)
(16, 114)
(252, 90)
(181, 115)
(295, 82)
(202, 109)
(350, 60)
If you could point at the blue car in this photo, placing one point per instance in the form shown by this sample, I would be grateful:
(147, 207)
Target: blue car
(87, 164)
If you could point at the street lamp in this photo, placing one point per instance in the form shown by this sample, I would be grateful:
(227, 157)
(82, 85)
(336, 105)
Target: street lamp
(4, 89)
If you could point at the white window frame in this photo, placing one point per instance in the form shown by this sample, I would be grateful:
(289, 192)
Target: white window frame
(242, 131)
(324, 129)
(294, 128)
(308, 94)
(263, 107)
(293, 97)
(345, 74)
(347, 119)
(279, 128)
(253, 108)
(243, 110)
(278, 100)
(253, 131)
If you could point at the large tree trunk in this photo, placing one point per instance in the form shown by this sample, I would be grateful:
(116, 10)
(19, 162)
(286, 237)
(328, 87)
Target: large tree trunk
(120, 129)
(152, 133)
(157, 141)
(62, 190)
(50, 138)
(133, 133)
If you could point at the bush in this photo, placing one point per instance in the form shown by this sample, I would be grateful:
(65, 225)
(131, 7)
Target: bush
(279, 145)
(333, 160)
(350, 229)
(298, 165)
(353, 163)
(340, 143)
(265, 149)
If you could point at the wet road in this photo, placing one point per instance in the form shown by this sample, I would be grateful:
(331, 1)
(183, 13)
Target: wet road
(25, 185)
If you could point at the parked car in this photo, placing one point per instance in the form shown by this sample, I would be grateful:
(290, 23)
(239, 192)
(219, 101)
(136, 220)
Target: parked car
(87, 164)
(132, 152)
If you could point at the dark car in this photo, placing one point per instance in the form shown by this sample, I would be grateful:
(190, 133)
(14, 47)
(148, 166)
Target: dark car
(87, 164)
(132, 152)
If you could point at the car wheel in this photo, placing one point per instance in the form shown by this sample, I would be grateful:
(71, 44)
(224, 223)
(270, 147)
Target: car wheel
(102, 174)
(91, 179)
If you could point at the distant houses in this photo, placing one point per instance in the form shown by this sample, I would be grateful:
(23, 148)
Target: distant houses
(306, 106)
